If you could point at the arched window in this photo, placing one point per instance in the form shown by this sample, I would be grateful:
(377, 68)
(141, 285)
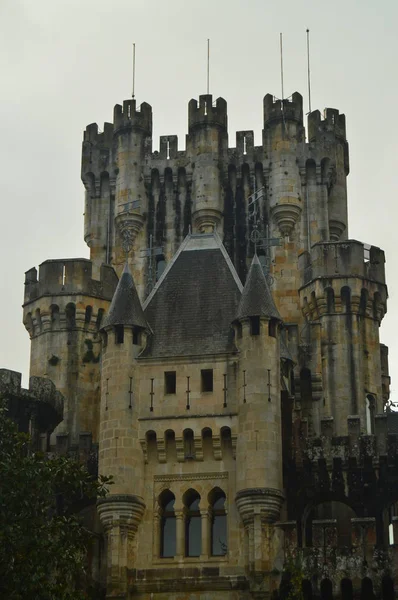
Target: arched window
(100, 316)
(70, 314)
(218, 523)
(207, 443)
(119, 334)
(168, 535)
(330, 300)
(151, 443)
(193, 529)
(367, 589)
(88, 315)
(387, 588)
(331, 510)
(54, 310)
(326, 589)
(306, 588)
(346, 589)
(189, 447)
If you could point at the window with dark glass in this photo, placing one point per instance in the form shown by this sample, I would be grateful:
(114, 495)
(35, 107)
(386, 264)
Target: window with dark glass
(254, 325)
(189, 445)
(272, 327)
(170, 382)
(119, 334)
(167, 525)
(218, 525)
(207, 380)
(193, 529)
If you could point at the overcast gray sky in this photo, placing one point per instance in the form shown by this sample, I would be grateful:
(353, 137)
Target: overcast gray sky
(66, 63)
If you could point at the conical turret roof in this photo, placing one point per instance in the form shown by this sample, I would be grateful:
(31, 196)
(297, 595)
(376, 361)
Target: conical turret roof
(125, 307)
(256, 299)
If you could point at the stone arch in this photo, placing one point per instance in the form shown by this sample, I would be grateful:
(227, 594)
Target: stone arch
(387, 588)
(341, 511)
(207, 443)
(88, 314)
(70, 315)
(345, 294)
(189, 444)
(168, 529)
(170, 445)
(54, 316)
(218, 522)
(151, 444)
(330, 301)
(226, 442)
(326, 589)
(193, 527)
(29, 324)
(346, 589)
(367, 592)
(100, 316)
(38, 321)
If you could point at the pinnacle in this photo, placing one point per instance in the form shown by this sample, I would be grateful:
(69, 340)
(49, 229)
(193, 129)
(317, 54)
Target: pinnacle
(126, 307)
(256, 299)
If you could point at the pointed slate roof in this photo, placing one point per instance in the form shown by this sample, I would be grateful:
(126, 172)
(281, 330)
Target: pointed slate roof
(125, 307)
(257, 300)
(191, 308)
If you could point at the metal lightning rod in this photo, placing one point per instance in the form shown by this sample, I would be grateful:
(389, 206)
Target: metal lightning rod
(281, 47)
(133, 94)
(309, 71)
(208, 66)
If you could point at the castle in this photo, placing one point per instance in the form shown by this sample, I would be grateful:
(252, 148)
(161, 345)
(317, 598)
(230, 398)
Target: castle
(220, 352)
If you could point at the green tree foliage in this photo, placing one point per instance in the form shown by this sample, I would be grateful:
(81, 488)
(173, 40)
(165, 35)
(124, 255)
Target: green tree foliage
(292, 581)
(43, 544)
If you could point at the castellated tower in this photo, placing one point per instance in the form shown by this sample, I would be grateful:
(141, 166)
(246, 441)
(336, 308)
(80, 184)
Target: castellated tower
(229, 370)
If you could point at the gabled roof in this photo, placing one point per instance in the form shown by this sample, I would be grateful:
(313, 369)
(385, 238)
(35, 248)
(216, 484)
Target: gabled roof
(125, 307)
(191, 308)
(256, 300)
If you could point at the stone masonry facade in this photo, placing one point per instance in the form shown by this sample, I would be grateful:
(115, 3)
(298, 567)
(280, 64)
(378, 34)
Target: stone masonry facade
(219, 351)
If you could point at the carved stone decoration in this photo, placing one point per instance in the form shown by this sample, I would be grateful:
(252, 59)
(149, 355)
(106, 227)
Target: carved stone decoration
(336, 230)
(286, 216)
(129, 225)
(264, 501)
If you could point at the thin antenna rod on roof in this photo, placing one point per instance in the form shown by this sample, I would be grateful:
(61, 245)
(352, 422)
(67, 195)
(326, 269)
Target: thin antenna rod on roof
(208, 66)
(281, 47)
(133, 94)
(309, 71)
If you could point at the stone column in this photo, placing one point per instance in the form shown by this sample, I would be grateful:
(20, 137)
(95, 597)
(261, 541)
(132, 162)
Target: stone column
(205, 519)
(180, 534)
(119, 516)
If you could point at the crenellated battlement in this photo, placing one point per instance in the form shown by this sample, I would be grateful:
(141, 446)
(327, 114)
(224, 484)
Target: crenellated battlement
(356, 447)
(41, 405)
(207, 113)
(333, 122)
(349, 258)
(283, 110)
(96, 138)
(69, 277)
(128, 116)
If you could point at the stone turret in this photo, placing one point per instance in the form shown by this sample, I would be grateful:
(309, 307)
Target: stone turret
(120, 454)
(208, 142)
(63, 308)
(329, 136)
(344, 291)
(258, 482)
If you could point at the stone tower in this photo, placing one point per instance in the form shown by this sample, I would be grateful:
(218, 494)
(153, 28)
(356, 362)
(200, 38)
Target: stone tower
(230, 372)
